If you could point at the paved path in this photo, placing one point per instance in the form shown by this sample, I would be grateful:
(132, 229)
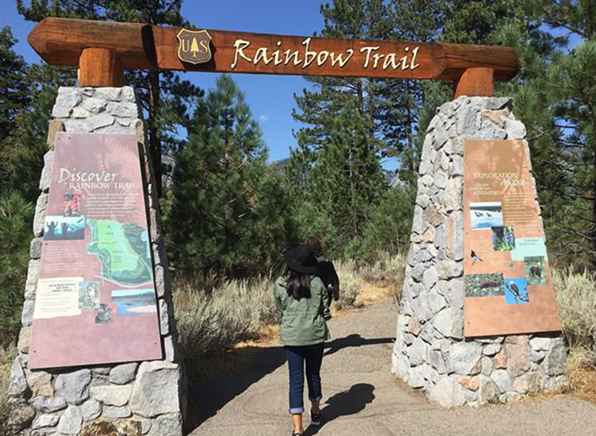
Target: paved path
(247, 394)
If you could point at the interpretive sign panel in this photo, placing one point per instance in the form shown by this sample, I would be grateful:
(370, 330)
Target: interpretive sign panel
(95, 300)
(507, 278)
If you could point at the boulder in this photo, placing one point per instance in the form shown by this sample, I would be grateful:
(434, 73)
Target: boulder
(71, 421)
(122, 374)
(73, 387)
(448, 392)
(155, 390)
(112, 395)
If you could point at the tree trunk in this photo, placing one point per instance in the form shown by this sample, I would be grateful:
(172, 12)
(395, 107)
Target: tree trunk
(153, 128)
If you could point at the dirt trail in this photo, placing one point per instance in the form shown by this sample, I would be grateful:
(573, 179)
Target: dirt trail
(246, 395)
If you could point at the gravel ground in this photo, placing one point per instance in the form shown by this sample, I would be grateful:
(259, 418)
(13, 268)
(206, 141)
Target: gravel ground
(247, 394)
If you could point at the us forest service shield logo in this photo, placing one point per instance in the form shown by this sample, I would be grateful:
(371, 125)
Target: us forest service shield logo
(194, 46)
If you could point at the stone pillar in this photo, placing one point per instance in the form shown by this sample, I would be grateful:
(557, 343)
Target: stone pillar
(133, 398)
(430, 351)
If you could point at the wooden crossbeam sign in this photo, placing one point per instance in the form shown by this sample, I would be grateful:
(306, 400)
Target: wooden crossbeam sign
(103, 49)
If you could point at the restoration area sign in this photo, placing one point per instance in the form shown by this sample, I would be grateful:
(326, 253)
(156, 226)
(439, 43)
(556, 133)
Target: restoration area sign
(507, 277)
(95, 300)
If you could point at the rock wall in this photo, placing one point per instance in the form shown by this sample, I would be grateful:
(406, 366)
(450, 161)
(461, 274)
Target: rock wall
(430, 351)
(132, 398)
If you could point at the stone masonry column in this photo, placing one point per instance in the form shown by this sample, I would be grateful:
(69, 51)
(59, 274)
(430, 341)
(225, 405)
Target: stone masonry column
(139, 398)
(430, 351)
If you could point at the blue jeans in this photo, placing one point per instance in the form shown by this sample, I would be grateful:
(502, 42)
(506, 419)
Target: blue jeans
(312, 355)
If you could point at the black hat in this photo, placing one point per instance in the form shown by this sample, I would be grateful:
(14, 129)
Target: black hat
(302, 259)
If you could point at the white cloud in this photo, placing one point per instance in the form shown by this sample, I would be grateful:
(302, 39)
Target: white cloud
(263, 118)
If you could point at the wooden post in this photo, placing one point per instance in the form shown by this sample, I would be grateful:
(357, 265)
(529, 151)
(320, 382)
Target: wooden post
(475, 82)
(100, 67)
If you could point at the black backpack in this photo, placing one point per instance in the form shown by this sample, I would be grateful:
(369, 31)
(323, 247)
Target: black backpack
(329, 277)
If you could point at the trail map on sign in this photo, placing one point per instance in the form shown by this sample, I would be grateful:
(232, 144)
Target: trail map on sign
(122, 251)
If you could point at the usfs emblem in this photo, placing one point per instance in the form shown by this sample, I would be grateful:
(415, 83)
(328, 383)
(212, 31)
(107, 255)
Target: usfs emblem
(194, 46)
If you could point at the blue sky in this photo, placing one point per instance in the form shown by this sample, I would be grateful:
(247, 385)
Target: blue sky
(269, 96)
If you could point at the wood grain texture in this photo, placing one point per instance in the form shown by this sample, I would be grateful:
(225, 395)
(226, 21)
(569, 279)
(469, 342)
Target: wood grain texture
(100, 67)
(477, 82)
(61, 41)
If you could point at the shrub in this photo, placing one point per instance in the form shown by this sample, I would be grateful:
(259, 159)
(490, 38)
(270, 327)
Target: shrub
(350, 284)
(233, 312)
(387, 268)
(576, 295)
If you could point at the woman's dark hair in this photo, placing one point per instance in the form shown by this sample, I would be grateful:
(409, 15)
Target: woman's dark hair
(298, 284)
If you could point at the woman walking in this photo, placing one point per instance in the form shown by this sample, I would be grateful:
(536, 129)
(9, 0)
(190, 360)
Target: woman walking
(302, 299)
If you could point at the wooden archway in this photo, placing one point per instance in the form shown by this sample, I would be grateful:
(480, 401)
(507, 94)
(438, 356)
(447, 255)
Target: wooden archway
(102, 50)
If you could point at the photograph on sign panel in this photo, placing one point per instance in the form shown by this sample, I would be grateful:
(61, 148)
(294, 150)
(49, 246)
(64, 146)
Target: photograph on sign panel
(483, 285)
(534, 267)
(89, 295)
(133, 302)
(62, 228)
(486, 215)
(103, 314)
(516, 291)
(72, 203)
(503, 238)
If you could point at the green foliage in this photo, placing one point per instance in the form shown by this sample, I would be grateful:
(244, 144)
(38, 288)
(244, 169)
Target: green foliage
(15, 234)
(15, 92)
(227, 210)
(574, 106)
(340, 183)
(387, 231)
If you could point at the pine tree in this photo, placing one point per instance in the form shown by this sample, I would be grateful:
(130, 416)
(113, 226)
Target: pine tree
(227, 207)
(13, 83)
(575, 109)
(402, 101)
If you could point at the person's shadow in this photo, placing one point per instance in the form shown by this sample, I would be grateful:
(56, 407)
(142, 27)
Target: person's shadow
(344, 403)
(353, 340)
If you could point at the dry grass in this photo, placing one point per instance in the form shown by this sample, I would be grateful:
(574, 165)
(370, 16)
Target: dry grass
(581, 370)
(231, 313)
(576, 295)
(243, 314)
(368, 284)
(387, 271)
(351, 285)
(6, 358)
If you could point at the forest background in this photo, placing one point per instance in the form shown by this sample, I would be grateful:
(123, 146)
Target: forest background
(229, 214)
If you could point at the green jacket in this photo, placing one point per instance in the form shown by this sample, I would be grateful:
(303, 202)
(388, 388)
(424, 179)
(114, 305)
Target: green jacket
(302, 321)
